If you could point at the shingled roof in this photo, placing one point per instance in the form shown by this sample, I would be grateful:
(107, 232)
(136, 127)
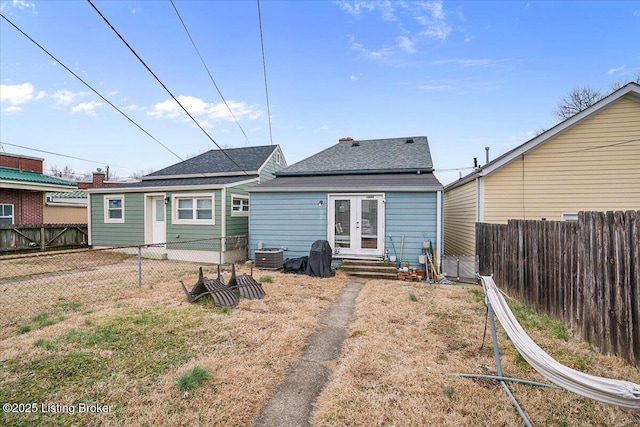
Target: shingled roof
(216, 162)
(391, 155)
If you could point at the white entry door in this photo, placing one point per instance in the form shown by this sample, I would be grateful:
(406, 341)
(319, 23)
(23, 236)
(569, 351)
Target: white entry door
(356, 224)
(158, 227)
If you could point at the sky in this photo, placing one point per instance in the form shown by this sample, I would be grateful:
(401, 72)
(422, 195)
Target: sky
(467, 75)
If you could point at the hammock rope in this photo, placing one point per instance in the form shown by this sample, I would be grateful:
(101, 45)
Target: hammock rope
(611, 391)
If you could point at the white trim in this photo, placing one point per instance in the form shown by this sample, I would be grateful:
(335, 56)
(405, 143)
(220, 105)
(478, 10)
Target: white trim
(89, 239)
(439, 229)
(479, 199)
(223, 215)
(196, 175)
(240, 213)
(13, 212)
(174, 208)
(106, 218)
(569, 216)
(168, 188)
(148, 215)
(13, 185)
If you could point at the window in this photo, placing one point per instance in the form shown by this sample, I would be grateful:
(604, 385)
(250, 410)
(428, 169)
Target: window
(6, 214)
(569, 216)
(239, 206)
(193, 209)
(113, 208)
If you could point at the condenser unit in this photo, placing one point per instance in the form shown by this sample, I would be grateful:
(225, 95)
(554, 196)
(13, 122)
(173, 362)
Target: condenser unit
(269, 259)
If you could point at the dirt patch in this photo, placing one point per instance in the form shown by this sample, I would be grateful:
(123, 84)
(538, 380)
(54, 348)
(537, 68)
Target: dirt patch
(395, 368)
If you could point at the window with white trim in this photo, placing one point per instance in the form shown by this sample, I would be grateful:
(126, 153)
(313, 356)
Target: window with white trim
(114, 208)
(239, 205)
(193, 209)
(6, 214)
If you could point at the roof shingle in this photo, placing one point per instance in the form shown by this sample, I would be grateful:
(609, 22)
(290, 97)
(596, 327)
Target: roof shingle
(391, 155)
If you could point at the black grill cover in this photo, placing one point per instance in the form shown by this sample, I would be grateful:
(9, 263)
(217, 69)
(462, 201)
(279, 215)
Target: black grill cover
(319, 264)
(296, 265)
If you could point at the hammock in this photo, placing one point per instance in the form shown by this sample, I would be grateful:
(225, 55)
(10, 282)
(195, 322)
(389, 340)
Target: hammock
(614, 392)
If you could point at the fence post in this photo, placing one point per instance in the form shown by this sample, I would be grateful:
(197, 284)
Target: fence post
(139, 266)
(43, 243)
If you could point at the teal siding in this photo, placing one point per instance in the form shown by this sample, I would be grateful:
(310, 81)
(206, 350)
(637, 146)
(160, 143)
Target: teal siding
(237, 225)
(272, 167)
(131, 232)
(182, 232)
(291, 220)
(415, 216)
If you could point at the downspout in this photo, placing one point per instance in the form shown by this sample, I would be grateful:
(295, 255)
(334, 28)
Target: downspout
(223, 212)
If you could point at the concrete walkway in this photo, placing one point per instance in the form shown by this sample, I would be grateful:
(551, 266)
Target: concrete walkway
(292, 403)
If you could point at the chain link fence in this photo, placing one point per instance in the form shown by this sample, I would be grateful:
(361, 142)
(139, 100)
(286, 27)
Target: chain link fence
(461, 268)
(40, 289)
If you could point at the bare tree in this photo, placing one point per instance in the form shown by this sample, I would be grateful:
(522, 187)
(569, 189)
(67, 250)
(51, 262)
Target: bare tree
(577, 100)
(65, 172)
(139, 174)
(617, 85)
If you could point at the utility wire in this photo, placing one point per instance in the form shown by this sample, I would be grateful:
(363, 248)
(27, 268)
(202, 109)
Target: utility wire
(209, 73)
(164, 86)
(89, 86)
(62, 155)
(264, 71)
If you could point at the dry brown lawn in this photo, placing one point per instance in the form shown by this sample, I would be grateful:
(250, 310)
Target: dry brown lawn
(395, 369)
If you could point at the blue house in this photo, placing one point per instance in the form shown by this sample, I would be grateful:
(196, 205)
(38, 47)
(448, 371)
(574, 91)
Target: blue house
(361, 196)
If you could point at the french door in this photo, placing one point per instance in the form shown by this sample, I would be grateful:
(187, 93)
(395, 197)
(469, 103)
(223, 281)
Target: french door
(356, 224)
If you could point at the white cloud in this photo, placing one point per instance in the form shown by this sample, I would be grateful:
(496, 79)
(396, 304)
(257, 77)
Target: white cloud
(353, 77)
(21, 4)
(615, 70)
(16, 94)
(64, 97)
(134, 107)
(86, 107)
(406, 44)
(354, 7)
(207, 113)
(372, 54)
(465, 62)
(12, 109)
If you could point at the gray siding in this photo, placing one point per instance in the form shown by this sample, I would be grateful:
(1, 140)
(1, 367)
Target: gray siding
(131, 232)
(414, 215)
(291, 220)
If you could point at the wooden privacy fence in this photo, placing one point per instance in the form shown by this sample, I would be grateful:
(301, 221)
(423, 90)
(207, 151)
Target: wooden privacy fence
(586, 273)
(16, 238)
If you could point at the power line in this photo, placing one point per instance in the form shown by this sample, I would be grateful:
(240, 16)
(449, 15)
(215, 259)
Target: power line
(264, 71)
(62, 155)
(89, 86)
(164, 86)
(209, 73)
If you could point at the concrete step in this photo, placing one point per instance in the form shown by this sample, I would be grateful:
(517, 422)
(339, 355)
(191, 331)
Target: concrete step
(372, 269)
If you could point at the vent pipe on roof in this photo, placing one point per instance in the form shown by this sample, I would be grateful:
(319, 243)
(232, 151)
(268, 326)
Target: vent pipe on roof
(487, 150)
(409, 141)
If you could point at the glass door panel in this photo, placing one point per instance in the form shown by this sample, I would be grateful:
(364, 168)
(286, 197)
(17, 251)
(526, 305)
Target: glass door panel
(369, 224)
(342, 223)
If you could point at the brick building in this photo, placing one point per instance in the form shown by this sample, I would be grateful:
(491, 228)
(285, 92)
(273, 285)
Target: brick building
(23, 187)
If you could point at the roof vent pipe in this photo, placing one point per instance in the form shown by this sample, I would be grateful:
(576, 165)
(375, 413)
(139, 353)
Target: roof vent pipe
(487, 150)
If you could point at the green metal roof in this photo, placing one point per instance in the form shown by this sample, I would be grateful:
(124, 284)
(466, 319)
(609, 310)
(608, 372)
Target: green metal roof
(76, 194)
(17, 175)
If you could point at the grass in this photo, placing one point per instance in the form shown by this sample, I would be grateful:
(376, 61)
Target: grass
(395, 366)
(193, 378)
(529, 319)
(413, 297)
(266, 279)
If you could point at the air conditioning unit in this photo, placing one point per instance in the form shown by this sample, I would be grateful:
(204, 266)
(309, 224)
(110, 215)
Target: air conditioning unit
(269, 259)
